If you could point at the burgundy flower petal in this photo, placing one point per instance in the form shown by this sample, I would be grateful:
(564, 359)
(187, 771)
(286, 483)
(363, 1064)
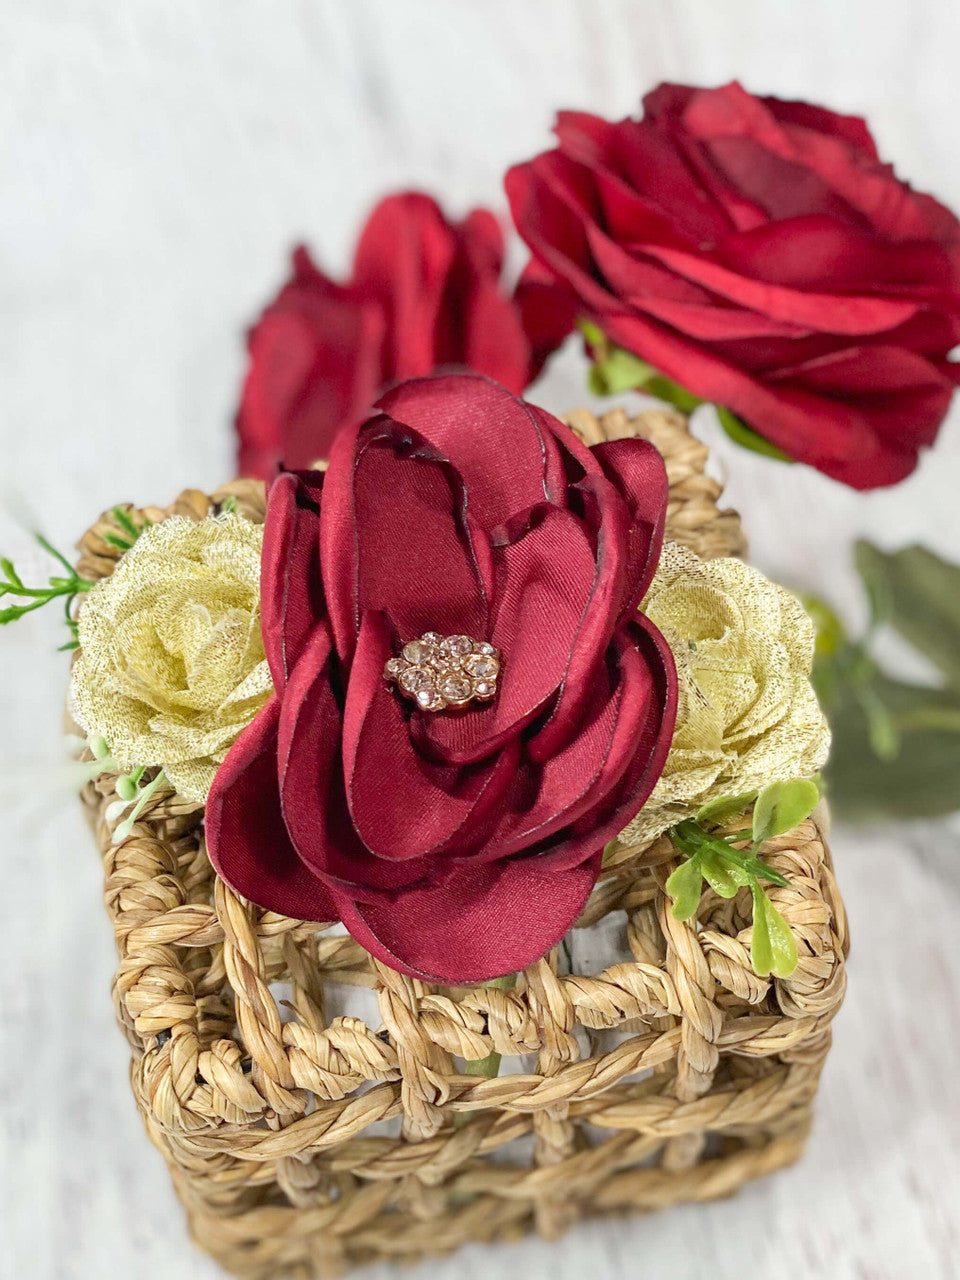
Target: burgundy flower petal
(413, 556)
(403, 805)
(637, 470)
(468, 420)
(652, 739)
(458, 846)
(403, 259)
(291, 590)
(310, 765)
(247, 841)
(621, 738)
(483, 922)
(545, 583)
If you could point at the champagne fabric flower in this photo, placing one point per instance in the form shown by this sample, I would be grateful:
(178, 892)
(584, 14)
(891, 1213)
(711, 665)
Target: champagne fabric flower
(747, 714)
(171, 664)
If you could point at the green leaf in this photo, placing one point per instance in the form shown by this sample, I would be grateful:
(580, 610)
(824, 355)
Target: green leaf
(672, 392)
(881, 726)
(923, 781)
(683, 886)
(619, 371)
(615, 370)
(831, 634)
(52, 551)
(922, 593)
(10, 572)
(741, 434)
(773, 949)
(724, 807)
(125, 522)
(594, 336)
(781, 806)
(114, 539)
(14, 612)
(761, 947)
(723, 876)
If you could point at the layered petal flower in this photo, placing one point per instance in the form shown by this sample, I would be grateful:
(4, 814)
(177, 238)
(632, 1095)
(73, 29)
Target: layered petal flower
(759, 254)
(424, 293)
(456, 845)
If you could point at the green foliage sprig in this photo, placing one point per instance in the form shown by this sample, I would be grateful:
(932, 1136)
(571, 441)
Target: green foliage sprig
(66, 586)
(731, 862)
(896, 743)
(133, 792)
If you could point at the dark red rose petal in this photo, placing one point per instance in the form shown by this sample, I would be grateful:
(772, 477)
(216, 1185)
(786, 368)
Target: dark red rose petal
(403, 805)
(403, 258)
(313, 797)
(546, 583)
(424, 293)
(630, 714)
(480, 326)
(469, 420)
(484, 922)
(314, 363)
(291, 590)
(247, 841)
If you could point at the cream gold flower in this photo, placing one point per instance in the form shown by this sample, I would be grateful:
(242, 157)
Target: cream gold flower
(171, 664)
(747, 714)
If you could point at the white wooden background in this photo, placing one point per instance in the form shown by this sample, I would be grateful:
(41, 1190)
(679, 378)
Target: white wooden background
(156, 161)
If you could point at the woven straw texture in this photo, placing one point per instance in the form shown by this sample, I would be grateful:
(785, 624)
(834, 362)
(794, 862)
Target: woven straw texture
(644, 1063)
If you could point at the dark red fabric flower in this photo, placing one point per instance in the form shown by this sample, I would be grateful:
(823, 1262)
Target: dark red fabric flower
(424, 293)
(758, 253)
(456, 845)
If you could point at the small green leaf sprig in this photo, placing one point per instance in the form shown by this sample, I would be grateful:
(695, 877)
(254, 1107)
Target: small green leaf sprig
(130, 787)
(615, 370)
(133, 793)
(66, 586)
(727, 866)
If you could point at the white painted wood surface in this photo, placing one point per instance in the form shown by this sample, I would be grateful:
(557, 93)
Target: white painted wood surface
(157, 159)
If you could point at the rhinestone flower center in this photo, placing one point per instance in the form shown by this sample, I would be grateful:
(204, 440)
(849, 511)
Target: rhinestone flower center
(438, 672)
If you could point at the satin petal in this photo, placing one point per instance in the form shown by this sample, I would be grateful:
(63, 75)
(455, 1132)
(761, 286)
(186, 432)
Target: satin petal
(291, 590)
(246, 837)
(403, 805)
(310, 767)
(484, 922)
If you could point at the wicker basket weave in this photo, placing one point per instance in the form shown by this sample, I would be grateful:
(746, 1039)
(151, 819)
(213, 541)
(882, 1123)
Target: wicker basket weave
(644, 1062)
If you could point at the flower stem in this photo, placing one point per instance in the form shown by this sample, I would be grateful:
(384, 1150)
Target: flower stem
(126, 827)
(490, 1065)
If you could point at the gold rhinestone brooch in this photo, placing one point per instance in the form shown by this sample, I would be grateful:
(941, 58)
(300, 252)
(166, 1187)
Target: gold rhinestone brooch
(438, 672)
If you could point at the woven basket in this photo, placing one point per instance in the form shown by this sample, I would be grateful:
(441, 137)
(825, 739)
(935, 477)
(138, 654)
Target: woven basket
(644, 1061)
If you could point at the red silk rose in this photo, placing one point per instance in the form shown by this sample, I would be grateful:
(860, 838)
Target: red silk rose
(424, 293)
(759, 254)
(456, 845)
